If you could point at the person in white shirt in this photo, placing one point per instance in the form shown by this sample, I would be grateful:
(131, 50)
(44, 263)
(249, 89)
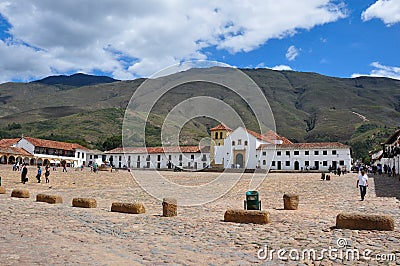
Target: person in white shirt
(362, 182)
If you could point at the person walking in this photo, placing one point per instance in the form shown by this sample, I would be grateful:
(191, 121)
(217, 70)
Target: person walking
(64, 165)
(362, 182)
(47, 173)
(24, 173)
(39, 173)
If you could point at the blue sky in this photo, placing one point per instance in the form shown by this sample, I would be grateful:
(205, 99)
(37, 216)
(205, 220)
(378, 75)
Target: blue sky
(130, 39)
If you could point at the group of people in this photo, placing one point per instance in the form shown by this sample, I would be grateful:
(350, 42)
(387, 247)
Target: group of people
(94, 167)
(337, 171)
(386, 169)
(24, 173)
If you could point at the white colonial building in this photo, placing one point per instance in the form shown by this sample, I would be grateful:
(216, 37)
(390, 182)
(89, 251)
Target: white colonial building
(43, 152)
(302, 156)
(95, 156)
(391, 152)
(189, 157)
(243, 148)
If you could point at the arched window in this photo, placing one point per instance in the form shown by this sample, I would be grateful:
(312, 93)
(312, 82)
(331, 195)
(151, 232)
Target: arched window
(220, 135)
(233, 143)
(216, 135)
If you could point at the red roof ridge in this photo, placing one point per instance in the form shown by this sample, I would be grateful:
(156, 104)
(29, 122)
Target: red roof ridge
(54, 144)
(9, 142)
(272, 135)
(221, 126)
(258, 135)
(15, 151)
(166, 149)
(308, 145)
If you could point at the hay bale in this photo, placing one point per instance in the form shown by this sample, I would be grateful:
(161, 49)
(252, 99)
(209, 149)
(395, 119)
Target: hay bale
(290, 201)
(51, 199)
(20, 193)
(170, 207)
(2, 190)
(246, 216)
(357, 221)
(84, 203)
(134, 208)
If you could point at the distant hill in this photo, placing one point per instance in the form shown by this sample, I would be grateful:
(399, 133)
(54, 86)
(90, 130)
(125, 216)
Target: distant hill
(310, 107)
(75, 80)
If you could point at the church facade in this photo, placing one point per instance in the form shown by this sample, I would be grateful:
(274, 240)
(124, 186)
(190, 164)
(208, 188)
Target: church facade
(243, 148)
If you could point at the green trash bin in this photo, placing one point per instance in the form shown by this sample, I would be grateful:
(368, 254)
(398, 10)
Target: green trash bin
(252, 201)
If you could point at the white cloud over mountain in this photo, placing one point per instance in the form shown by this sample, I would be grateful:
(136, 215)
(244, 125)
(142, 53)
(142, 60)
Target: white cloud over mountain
(386, 10)
(382, 71)
(128, 38)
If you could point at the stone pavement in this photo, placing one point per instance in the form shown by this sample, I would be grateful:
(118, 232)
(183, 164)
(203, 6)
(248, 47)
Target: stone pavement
(36, 233)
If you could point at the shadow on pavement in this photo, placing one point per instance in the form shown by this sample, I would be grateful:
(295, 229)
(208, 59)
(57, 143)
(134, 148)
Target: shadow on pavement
(387, 186)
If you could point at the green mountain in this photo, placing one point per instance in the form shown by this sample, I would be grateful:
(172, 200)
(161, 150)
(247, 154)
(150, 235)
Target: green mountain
(308, 107)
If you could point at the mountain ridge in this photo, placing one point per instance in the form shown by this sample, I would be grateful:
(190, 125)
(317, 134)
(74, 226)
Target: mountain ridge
(75, 80)
(307, 106)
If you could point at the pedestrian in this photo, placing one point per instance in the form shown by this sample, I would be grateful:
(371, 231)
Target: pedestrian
(39, 173)
(24, 173)
(339, 171)
(64, 165)
(362, 182)
(394, 171)
(47, 173)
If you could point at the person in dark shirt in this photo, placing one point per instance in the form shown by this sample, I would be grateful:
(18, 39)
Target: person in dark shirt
(24, 173)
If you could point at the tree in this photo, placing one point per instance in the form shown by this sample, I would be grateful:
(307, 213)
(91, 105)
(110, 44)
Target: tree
(112, 143)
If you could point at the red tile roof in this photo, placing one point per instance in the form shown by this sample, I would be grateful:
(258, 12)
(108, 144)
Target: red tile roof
(8, 142)
(14, 151)
(258, 136)
(301, 146)
(54, 144)
(168, 149)
(274, 136)
(221, 126)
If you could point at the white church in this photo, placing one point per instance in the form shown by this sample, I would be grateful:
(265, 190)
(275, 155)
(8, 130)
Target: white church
(243, 148)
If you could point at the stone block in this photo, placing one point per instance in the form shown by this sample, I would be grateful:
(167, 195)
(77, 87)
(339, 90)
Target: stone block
(134, 208)
(52, 199)
(357, 221)
(20, 193)
(2, 190)
(84, 203)
(290, 201)
(170, 207)
(246, 216)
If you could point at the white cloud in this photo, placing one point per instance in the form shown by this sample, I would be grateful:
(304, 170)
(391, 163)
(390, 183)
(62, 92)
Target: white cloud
(381, 71)
(136, 38)
(386, 10)
(278, 67)
(292, 53)
(282, 67)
